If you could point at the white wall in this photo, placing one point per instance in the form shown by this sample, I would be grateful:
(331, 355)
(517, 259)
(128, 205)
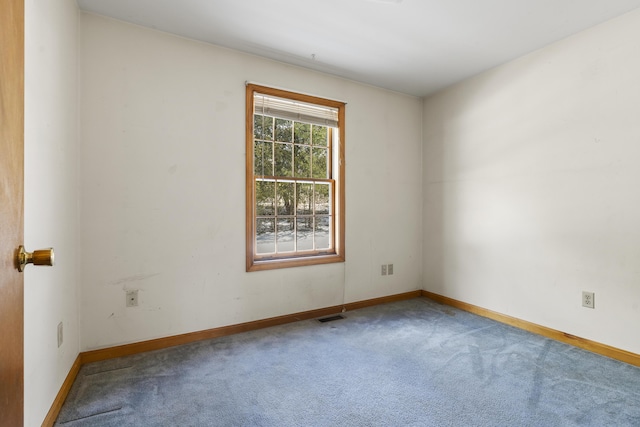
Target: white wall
(162, 197)
(51, 195)
(531, 186)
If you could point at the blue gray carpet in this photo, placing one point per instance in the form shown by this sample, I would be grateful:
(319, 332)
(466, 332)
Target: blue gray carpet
(410, 363)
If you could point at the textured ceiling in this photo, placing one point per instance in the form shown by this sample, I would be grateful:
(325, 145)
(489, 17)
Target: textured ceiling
(411, 46)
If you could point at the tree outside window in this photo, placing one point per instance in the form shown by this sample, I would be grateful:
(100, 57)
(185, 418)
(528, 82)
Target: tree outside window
(295, 196)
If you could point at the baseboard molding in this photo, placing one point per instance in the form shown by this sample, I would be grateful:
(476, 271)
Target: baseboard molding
(52, 415)
(594, 347)
(160, 343)
(382, 300)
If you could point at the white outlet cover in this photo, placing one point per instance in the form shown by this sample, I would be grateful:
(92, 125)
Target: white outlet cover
(60, 334)
(588, 299)
(132, 298)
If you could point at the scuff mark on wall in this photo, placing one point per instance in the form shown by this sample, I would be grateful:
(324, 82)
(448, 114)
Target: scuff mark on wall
(134, 278)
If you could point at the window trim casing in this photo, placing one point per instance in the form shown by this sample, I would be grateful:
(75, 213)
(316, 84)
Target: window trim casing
(253, 263)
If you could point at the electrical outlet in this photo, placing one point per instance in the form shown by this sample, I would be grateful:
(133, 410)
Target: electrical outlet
(383, 270)
(132, 298)
(60, 336)
(390, 269)
(588, 299)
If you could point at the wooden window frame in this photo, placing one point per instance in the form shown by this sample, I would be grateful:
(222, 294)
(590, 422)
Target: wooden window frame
(254, 262)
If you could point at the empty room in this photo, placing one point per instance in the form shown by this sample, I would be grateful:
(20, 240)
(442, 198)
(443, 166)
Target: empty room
(320, 213)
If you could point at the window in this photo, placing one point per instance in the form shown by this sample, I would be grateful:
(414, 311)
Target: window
(295, 179)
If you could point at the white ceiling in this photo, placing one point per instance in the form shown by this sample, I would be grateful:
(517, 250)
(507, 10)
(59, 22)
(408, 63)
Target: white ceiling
(411, 46)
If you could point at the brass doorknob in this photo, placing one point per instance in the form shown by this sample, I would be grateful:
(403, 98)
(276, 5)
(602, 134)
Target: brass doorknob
(39, 257)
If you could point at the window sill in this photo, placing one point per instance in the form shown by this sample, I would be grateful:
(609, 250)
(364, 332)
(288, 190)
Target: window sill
(273, 264)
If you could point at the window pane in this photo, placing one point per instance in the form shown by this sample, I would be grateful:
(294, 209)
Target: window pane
(302, 161)
(304, 199)
(284, 130)
(263, 158)
(319, 166)
(265, 236)
(323, 232)
(286, 198)
(285, 234)
(265, 198)
(302, 133)
(320, 135)
(322, 199)
(304, 233)
(295, 179)
(283, 160)
(262, 127)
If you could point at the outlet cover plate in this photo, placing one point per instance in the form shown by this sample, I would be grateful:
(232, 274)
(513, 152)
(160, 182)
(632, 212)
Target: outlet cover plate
(588, 299)
(60, 334)
(132, 298)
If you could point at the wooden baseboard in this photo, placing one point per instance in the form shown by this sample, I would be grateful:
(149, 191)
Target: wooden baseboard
(52, 415)
(382, 300)
(160, 343)
(165, 342)
(594, 347)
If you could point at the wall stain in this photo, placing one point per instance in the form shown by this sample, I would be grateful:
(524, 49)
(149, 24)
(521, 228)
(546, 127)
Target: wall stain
(134, 278)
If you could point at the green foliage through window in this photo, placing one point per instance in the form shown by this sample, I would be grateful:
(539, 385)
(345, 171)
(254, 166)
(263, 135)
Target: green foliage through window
(292, 215)
(295, 188)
